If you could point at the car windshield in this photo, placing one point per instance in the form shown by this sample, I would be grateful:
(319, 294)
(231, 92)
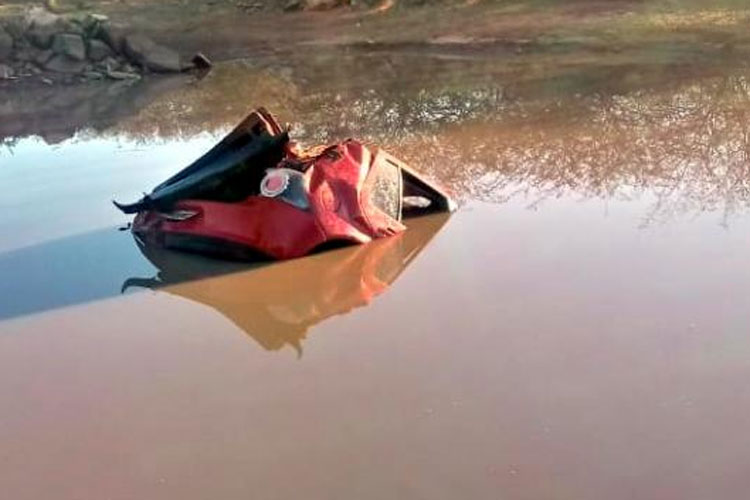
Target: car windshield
(386, 192)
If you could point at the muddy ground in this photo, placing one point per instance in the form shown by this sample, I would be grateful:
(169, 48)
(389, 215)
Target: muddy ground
(580, 32)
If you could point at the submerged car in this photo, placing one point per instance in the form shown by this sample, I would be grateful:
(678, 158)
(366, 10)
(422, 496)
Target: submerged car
(257, 195)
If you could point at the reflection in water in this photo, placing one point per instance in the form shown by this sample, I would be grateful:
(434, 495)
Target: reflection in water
(276, 304)
(57, 114)
(486, 131)
(65, 272)
(622, 135)
(687, 148)
(682, 146)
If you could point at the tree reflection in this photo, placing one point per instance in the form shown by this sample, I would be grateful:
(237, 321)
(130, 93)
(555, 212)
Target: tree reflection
(686, 147)
(487, 132)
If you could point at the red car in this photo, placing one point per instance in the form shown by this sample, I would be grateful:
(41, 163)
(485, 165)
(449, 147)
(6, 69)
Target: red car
(255, 194)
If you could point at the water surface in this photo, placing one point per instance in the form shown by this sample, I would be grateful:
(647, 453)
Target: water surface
(575, 330)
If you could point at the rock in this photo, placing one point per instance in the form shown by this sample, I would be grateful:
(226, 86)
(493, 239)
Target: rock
(293, 5)
(6, 44)
(249, 6)
(99, 50)
(69, 45)
(122, 75)
(63, 64)
(145, 52)
(93, 75)
(16, 27)
(74, 26)
(109, 63)
(42, 26)
(38, 16)
(92, 23)
(6, 72)
(113, 36)
(100, 18)
(27, 69)
(26, 54)
(199, 62)
(41, 36)
(324, 4)
(21, 71)
(43, 56)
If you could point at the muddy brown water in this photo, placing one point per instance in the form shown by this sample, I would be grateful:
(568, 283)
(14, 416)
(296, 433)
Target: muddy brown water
(576, 330)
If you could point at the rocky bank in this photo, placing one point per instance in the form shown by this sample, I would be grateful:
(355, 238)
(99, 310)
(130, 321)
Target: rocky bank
(52, 48)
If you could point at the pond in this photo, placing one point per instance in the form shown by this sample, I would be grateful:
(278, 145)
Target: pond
(577, 329)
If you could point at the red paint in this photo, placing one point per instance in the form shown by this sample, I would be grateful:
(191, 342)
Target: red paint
(340, 210)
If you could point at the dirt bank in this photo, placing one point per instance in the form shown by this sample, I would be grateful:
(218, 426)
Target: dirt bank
(224, 32)
(534, 33)
(513, 48)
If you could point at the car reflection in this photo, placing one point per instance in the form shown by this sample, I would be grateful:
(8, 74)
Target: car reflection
(277, 304)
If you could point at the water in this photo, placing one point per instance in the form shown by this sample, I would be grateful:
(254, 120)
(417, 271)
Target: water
(575, 330)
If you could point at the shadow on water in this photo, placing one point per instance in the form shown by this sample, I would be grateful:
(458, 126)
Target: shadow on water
(274, 303)
(68, 271)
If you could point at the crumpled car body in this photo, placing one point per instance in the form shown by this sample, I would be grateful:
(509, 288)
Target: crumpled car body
(257, 195)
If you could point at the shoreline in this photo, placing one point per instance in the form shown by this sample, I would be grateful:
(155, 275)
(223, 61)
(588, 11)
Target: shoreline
(587, 34)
